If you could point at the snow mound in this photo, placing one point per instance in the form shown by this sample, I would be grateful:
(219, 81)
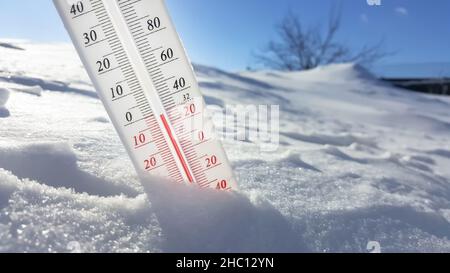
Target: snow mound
(199, 220)
(55, 164)
(337, 73)
(4, 96)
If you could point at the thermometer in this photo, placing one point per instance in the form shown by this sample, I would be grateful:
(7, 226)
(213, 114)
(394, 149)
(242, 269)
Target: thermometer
(139, 67)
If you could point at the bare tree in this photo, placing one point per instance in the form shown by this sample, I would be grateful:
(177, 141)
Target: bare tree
(300, 49)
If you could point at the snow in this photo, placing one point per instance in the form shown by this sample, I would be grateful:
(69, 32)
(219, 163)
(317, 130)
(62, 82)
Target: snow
(232, 222)
(10, 46)
(4, 96)
(32, 90)
(358, 161)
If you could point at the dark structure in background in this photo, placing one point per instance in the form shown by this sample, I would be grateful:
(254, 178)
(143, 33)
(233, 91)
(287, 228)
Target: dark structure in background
(431, 86)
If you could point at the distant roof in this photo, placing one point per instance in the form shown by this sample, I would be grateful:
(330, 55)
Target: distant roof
(415, 70)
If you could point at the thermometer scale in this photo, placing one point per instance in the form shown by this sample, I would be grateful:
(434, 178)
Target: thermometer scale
(138, 65)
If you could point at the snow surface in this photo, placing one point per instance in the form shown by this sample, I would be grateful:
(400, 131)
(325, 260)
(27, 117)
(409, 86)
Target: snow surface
(4, 96)
(358, 161)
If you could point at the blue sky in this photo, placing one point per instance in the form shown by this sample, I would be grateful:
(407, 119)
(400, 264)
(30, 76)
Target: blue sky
(224, 33)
